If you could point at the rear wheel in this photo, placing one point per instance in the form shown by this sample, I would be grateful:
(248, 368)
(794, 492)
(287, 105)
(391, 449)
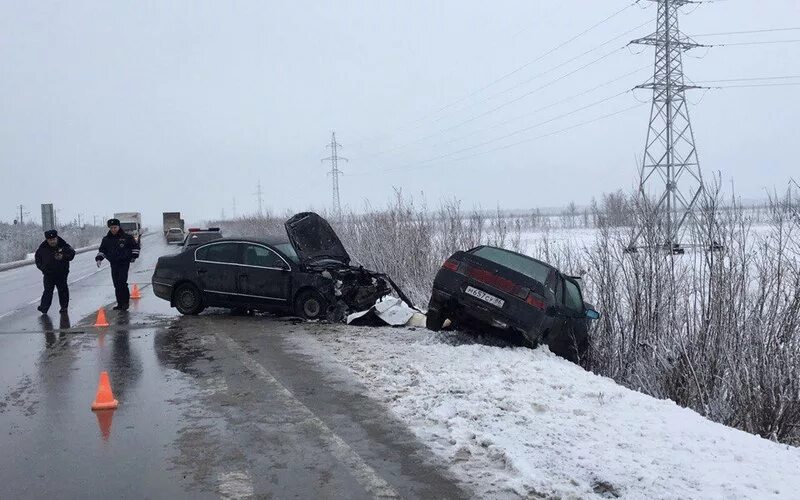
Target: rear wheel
(310, 304)
(188, 299)
(434, 319)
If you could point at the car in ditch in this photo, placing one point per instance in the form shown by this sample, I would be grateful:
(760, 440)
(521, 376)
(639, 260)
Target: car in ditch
(307, 272)
(196, 236)
(513, 292)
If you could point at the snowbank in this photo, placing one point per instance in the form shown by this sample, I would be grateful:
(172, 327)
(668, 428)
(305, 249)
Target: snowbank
(513, 422)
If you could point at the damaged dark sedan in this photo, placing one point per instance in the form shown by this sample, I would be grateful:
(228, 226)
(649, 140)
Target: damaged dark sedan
(308, 273)
(513, 292)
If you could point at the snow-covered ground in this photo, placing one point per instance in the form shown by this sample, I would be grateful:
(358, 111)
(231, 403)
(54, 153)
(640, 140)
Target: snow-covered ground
(514, 422)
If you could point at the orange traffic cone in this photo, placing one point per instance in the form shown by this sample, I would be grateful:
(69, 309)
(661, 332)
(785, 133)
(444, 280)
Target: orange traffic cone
(136, 294)
(104, 400)
(104, 418)
(101, 318)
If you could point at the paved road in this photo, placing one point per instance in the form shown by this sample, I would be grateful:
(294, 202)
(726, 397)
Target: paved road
(210, 406)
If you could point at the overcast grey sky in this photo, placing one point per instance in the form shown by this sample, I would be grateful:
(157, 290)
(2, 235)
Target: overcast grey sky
(165, 105)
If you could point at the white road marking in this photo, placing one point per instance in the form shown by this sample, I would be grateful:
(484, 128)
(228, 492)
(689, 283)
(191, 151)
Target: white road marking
(366, 476)
(36, 299)
(235, 484)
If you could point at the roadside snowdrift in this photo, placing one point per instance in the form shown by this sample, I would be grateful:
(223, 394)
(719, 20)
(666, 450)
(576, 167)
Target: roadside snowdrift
(516, 422)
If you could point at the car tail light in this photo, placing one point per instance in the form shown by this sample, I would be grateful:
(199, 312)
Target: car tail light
(194, 229)
(451, 265)
(536, 301)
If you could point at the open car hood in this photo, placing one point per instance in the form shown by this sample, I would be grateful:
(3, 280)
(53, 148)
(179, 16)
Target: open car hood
(314, 239)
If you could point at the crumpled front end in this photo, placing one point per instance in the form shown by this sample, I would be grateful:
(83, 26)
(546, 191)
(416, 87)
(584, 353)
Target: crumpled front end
(353, 289)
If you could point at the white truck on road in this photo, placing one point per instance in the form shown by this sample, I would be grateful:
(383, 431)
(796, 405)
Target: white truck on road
(131, 223)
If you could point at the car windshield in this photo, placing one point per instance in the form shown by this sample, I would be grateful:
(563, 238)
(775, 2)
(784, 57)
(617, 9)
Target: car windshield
(128, 226)
(519, 263)
(288, 250)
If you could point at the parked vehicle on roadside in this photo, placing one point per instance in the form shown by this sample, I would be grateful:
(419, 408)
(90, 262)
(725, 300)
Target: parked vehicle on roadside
(175, 235)
(307, 272)
(171, 220)
(196, 237)
(510, 291)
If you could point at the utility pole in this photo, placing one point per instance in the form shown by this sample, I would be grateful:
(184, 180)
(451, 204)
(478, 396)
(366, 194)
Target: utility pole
(670, 167)
(259, 194)
(335, 173)
(20, 214)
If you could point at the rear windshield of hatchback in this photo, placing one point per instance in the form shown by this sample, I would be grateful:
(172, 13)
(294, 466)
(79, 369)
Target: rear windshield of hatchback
(519, 263)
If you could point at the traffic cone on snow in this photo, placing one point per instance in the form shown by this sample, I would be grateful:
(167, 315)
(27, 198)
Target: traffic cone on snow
(104, 400)
(101, 318)
(136, 294)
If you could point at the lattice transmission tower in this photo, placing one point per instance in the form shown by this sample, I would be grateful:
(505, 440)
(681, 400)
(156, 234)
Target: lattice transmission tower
(671, 183)
(335, 173)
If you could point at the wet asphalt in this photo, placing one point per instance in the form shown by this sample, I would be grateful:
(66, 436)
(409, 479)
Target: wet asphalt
(210, 406)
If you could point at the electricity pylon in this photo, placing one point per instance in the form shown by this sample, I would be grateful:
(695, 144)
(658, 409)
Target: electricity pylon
(335, 173)
(671, 183)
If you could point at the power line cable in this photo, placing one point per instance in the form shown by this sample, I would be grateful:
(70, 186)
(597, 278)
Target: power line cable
(537, 110)
(767, 42)
(793, 84)
(525, 65)
(788, 77)
(537, 59)
(769, 30)
(532, 139)
(506, 136)
(500, 106)
(550, 70)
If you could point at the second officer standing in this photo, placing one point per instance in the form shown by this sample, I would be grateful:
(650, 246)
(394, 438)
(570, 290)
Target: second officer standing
(120, 249)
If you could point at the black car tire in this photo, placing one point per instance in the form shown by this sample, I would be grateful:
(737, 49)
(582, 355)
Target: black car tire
(435, 317)
(188, 299)
(310, 304)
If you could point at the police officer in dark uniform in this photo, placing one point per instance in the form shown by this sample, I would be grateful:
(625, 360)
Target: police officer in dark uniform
(52, 259)
(120, 249)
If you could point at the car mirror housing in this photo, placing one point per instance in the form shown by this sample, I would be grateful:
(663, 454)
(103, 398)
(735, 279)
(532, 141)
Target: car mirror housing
(592, 314)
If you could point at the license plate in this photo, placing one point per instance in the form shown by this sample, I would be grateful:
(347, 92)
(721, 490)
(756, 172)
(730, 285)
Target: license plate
(480, 294)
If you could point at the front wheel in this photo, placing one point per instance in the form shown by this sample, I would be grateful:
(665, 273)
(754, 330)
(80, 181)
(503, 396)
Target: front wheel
(188, 299)
(310, 304)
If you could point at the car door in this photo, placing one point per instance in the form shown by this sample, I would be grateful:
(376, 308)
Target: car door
(568, 335)
(217, 266)
(264, 275)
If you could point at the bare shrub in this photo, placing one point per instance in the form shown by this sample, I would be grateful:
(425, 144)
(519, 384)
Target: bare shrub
(18, 240)
(718, 332)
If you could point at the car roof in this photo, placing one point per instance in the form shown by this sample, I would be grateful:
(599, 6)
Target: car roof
(265, 240)
(516, 253)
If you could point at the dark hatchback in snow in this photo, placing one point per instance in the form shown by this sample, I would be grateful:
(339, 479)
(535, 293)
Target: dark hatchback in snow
(511, 291)
(307, 273)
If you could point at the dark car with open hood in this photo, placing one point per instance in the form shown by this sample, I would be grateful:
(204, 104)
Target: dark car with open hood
(307, 272)
(513, 292)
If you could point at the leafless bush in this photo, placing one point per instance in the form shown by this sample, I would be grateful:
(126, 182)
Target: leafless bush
(718, 332)
(18, 240)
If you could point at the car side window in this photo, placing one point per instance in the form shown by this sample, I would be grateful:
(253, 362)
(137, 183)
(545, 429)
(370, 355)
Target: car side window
(256, 255)
(572, 296)
(227, 253)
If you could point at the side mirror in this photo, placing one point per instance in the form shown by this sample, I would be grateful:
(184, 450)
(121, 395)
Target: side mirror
(592, 314)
